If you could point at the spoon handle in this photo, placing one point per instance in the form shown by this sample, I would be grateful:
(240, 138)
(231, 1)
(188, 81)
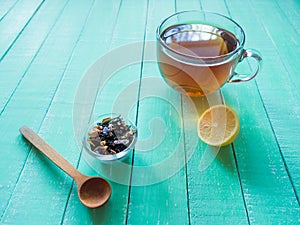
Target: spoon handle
(48, 151)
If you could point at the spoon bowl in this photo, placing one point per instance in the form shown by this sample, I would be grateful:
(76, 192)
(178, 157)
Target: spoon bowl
(93, 192)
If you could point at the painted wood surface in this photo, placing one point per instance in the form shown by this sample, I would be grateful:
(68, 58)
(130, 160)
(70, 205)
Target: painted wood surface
(171, 177)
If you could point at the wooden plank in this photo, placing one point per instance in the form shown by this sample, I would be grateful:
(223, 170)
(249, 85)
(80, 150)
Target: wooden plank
(266, 180)
(130, 28)
(158, 177)
(188, 5)
(114, 212)
(26, 193)
(217, 6)
(268, 193)
(105, 102)
(284, 36)
(24, 56)
(212, 173)
(5, 7)
(291, 9)
(25, 50)
(14, 23)
(286, 46)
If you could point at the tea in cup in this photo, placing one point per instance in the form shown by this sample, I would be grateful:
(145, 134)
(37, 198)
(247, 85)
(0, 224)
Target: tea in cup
(198, 52)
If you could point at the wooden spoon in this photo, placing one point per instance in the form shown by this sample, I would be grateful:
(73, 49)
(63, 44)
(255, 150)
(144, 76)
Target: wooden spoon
(92, 191)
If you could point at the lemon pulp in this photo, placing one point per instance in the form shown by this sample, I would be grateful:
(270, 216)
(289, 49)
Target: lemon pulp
(218, 125)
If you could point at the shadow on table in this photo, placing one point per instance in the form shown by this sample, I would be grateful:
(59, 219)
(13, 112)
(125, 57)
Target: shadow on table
(193, 109)
(100, 215)
(223, 156)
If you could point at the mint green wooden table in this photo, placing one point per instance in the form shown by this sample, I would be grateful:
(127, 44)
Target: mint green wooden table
(46, 48)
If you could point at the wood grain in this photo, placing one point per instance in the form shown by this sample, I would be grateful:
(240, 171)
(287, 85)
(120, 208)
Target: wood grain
(46, 48)
(51, 154)
(17, 54)
(215, 195)
(5, 7)
(271, 167)
(159, 118)
(18, 199)
(24, 51)
(14, 23)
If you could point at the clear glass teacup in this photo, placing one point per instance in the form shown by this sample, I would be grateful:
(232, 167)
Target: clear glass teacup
(198, 52)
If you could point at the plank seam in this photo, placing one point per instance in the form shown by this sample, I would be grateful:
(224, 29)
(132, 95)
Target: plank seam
(20, 33)
(10, 97)
(286, 17)
(80, 155)
(201, 6)
(269, 119)
(32, 60)
(185, 163)
(69, 196)
(4, 15)
(137, 109)
(51, 101)
(184, 146)
(277, 51)
(109, 48)
(234, 154)
(279, 148)
(240, 182)
(57, 87)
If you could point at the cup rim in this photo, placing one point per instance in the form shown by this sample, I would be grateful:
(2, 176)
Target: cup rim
(241, 45)
(111, 157)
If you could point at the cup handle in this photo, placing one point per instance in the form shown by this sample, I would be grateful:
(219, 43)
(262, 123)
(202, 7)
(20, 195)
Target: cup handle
(236, 77)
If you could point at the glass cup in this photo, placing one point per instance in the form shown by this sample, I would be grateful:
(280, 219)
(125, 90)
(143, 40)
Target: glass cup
(198, 51)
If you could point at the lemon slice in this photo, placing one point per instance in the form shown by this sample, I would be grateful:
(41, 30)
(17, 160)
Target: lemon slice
(219, 125)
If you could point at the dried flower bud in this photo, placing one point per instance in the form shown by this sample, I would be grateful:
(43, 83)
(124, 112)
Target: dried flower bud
(94, 132)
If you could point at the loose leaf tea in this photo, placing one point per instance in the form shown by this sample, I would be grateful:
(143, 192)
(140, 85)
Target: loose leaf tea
(110, 136)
